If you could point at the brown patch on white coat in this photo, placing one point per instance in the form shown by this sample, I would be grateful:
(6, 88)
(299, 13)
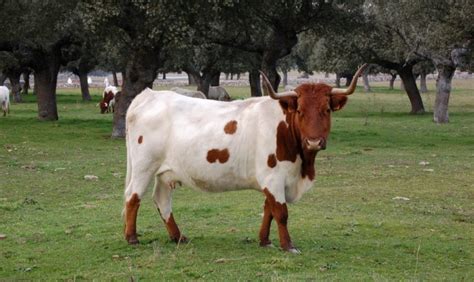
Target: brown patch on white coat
(218, 155)
(230, 127)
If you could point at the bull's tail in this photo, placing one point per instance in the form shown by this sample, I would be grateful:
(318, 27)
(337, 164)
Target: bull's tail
(128, 176)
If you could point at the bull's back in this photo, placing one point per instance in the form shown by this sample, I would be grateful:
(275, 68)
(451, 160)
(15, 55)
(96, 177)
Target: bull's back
(204, 144)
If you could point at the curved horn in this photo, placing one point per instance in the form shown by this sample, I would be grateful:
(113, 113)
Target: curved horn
(268, 89)
(353, 84)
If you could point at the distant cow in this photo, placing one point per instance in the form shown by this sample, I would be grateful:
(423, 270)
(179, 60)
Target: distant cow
(107, 104)
(5, 99)
(189, 93)
(268, 144)
(218, 93)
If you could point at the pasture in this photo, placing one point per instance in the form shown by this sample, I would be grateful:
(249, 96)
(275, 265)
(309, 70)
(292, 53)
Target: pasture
(350, 226)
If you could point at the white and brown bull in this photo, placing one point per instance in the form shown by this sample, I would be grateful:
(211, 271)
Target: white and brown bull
(268, 144)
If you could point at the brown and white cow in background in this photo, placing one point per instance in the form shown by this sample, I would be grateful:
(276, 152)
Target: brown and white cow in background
(267, 143)
(107, 104)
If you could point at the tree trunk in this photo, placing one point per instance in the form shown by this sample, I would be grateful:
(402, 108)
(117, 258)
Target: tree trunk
(349, 79)
(408, 79)
(365, 78)
(338, 80)
(45, 88)
(231, 76)
(392, 81)
(423, 87)
(191, 80)
(26, 84)
(114, 75)
(269, 67)
(443, 91)
(285, 78)
(215, 81)
(164, 76)
(254, 79)
(86, 96)
(14, 78)
(140, 73)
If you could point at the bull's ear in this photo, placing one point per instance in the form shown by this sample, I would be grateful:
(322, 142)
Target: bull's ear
(288, 104)
(337, 102)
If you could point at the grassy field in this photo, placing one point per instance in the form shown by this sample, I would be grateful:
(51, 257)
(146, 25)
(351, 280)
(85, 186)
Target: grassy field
(350, 226)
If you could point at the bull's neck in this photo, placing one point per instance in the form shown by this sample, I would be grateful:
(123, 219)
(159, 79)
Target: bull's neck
(290, 145)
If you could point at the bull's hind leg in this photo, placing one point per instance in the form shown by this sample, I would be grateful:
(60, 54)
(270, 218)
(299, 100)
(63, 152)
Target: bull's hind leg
(266, 223)
(133, 195)
(162, 198)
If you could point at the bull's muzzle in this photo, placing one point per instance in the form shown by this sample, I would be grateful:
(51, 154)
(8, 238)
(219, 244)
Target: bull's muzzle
(315, 144)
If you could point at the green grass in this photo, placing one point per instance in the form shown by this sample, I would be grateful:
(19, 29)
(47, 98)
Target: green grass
(348, 227)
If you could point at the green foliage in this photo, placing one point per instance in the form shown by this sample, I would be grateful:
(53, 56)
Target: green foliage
(59, 226)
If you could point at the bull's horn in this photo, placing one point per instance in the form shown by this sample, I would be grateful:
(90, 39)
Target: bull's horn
(353, 84)
(268, 89)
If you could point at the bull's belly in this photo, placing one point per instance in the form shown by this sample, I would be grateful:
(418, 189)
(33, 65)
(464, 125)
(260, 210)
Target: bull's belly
(221, 185)
(209, 180)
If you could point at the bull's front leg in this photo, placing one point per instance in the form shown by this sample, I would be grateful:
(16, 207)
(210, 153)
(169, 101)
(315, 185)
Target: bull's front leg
(279, 212)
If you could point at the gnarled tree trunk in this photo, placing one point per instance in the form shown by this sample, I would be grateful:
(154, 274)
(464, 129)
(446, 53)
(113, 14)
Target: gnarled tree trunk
(26, 84)
(392, 81)
(423, 87)
(215, 80)
(14, 78)
(114, 75)
(338, 80)
(285, 78)
(191, 79)
(365, 78)
(254, 79)
(408, 79)
(443, 91)
(86, 96)
(140, 73)
(45, 88)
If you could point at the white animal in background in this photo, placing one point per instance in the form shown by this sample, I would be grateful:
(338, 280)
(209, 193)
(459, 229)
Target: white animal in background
(189, 93)
(218, 93)
(5, 99)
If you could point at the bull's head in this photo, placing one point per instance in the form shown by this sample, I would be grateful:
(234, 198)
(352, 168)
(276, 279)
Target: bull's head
(308, 109)
(103, 107)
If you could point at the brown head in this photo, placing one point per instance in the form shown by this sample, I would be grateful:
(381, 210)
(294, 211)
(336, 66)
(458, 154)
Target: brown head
(308, 109)
(103, 106)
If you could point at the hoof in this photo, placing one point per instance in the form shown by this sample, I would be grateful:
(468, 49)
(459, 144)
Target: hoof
(294, 251)
(132, 240)
(180, 240)
(267, 244)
